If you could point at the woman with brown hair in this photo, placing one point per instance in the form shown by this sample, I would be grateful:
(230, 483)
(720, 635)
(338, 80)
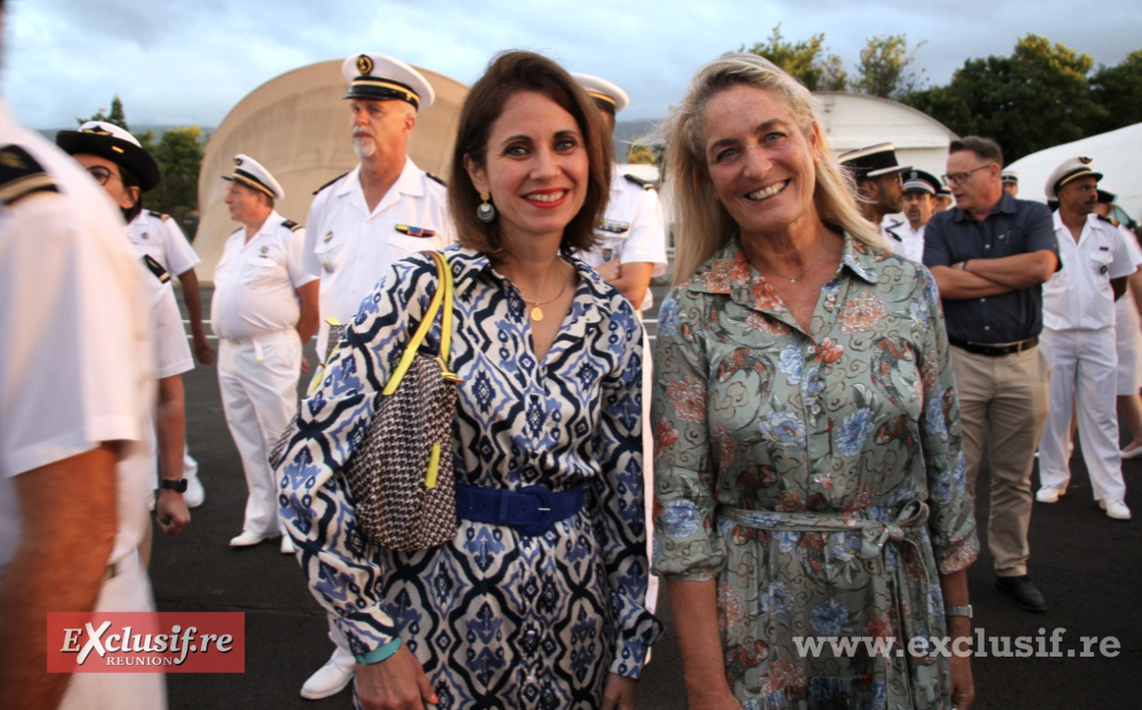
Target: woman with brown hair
(517, 610)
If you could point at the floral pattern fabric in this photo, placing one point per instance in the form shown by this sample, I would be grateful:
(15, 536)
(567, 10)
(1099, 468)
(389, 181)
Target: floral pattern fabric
(817, 476)
(497, 619)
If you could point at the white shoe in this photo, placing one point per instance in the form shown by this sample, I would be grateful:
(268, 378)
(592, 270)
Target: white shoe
(1115, 509)
(247, 538)
(195, 493)
(287, 545)
(329, 680)
(1049, 494)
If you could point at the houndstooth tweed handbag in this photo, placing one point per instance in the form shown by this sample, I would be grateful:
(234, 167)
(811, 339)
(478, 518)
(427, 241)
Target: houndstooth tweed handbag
(400, 477)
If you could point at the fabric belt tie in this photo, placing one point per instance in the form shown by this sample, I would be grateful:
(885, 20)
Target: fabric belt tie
(532, 511)
(994, 350)
(904, 527)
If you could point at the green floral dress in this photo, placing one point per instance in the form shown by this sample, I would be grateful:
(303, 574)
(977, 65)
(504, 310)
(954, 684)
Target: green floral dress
(818, 477)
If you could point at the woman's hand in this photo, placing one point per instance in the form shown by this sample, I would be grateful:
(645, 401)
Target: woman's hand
(963, 685)
(621, 693)
(396, 683)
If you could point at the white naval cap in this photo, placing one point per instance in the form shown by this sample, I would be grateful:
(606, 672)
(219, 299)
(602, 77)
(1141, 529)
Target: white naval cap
(115, 144)
(250, 173)
(1009, 177)
(1070, 169)
(872, 161)
(379, 77)
(609, 96)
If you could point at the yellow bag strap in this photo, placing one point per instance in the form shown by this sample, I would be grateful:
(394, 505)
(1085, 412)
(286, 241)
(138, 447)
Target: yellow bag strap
(443, 295)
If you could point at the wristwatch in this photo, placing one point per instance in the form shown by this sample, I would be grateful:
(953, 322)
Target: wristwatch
(178, 485)
(958, 611)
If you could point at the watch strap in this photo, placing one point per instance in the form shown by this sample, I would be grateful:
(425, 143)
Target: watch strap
(958, 611)
(178, 485)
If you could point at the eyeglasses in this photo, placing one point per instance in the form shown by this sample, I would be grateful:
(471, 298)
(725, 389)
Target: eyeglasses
(961, 178)
(102, 175)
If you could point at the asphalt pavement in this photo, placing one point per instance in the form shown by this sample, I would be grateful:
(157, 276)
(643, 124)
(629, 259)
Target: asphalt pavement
(1085, 564)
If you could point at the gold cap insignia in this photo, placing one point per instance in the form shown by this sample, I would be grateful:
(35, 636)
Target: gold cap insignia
(364, 64)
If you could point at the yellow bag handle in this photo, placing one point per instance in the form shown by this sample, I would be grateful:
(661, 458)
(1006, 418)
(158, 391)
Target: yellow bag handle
(443, 295)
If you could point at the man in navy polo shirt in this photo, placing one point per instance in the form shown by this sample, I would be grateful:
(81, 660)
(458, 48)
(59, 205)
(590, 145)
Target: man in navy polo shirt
(990, 254)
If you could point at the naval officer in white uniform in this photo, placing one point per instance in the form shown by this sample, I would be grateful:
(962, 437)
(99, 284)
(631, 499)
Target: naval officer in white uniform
(385, 209)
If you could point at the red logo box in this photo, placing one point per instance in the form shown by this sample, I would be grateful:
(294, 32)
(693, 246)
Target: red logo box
(141, 642)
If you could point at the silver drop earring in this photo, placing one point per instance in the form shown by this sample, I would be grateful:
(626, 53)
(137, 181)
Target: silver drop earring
(485, 212)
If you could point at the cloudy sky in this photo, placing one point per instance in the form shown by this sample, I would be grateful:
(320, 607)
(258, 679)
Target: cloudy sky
(188, 62)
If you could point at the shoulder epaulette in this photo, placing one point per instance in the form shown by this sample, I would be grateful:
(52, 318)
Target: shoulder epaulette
(160, 215)
(436, 179)
(21, 175)
(644, 184)
(894, 235)
(291, 225)
(329, 183)
(156, 268)
(1104, 218)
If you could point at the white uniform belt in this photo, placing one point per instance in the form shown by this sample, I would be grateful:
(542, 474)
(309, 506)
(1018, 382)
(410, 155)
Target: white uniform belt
(263, 338)
(129, 563)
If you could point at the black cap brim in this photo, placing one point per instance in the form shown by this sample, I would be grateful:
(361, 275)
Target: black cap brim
(117, 150)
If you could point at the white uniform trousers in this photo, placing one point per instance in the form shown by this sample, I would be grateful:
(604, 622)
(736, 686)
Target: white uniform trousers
(1083, 364)
(258, 379)
(128, 590)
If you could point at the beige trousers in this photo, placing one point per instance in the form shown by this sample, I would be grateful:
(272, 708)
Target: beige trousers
(1007, 397)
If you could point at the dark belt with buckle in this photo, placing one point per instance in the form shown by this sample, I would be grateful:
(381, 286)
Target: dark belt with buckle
(532, 511)
(994, 350)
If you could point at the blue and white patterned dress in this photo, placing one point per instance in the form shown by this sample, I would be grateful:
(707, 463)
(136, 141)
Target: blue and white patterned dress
(495, 618)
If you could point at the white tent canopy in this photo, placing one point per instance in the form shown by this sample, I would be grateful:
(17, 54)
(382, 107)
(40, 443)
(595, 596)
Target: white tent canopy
(1117, 155)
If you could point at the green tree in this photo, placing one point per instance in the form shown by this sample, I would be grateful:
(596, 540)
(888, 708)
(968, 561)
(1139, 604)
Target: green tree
(179, 155)
(641, 154)
(116, 116)
(885, 68)
(806, 61)
(1034, 99)
(1118, 91)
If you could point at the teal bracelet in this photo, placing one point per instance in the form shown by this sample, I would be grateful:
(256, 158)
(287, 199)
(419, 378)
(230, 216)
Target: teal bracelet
(380, 654)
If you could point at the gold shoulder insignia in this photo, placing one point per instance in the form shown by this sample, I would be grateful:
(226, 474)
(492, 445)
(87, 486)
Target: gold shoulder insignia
(21, 175)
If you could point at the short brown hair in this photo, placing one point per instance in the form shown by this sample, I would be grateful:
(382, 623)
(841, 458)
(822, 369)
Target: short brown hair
(985, 148)
(508, 74)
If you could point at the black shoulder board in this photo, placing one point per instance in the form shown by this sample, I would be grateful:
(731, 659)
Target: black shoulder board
(329, 183)
(156, 268)
(21, 175)
(644, 184)
(893, 234)
(436, 179)
(1104, 218)
(291, 225)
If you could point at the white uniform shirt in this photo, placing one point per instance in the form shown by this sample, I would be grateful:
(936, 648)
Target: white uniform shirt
(905, 241)
(348, 247)
(632, 229)
(1079, 295)
(74, 359)
(159, 236)
(256, 282)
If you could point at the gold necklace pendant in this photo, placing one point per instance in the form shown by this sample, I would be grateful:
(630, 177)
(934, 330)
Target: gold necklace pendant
(536, 314)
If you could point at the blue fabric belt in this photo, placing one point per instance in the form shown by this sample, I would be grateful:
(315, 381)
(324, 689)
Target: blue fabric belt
(532, 511)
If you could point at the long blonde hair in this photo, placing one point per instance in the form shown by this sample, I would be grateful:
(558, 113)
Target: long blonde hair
(702, 225)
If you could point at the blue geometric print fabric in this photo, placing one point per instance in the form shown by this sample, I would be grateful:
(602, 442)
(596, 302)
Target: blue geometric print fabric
(497, 619)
